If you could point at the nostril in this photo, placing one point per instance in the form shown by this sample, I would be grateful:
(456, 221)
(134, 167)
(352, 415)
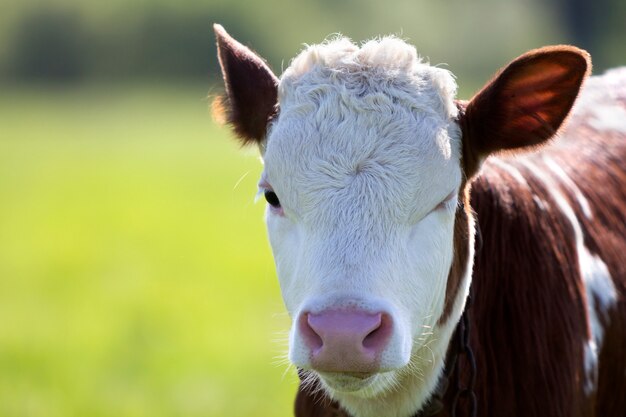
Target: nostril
(378, 336)
(311, 338)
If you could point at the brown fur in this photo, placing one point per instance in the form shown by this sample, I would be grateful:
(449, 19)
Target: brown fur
(529, 306)
(461, 248)
(251, 90)
(529, 311)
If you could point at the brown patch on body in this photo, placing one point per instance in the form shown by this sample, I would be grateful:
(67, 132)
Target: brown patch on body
(599, 171)
(529, 308)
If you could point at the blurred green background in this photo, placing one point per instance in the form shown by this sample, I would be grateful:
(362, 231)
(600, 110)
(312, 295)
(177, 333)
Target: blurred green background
(135, 278)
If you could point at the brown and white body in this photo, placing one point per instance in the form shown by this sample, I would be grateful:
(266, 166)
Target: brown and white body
(376, 178)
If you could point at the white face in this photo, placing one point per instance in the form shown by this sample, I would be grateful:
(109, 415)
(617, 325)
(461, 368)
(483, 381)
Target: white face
(365, 160)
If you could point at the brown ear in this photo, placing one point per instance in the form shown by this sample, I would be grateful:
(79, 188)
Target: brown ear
(526, 102)
(251, 89)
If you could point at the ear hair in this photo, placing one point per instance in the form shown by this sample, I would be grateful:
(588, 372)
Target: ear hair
(251, 93)
(526, 103)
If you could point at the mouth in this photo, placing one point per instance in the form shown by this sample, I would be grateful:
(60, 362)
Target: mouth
(348, 382)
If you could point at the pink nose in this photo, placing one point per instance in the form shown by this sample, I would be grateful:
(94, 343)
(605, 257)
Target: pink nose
(345, 340)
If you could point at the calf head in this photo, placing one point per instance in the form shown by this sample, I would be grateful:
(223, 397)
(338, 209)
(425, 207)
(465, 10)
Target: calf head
(367, 161)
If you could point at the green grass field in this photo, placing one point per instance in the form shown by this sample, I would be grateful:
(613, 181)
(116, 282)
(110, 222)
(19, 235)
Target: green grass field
(135, 277)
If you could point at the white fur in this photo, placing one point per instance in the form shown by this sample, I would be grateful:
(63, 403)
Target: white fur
(365, 148)
(599, 101)
(609, 117)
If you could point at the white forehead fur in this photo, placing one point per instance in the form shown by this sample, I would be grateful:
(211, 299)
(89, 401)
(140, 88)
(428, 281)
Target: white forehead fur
(384, 59)
(346, 110)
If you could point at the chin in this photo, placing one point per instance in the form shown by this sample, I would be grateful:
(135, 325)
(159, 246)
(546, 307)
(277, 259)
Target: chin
(364, 385)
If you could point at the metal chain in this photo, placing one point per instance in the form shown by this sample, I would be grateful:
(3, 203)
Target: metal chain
(465, 349)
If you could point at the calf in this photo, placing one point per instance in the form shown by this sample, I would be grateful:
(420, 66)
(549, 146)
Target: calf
(378, 182)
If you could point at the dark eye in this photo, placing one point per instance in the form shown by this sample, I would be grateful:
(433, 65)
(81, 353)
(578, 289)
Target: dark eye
(272, 198)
